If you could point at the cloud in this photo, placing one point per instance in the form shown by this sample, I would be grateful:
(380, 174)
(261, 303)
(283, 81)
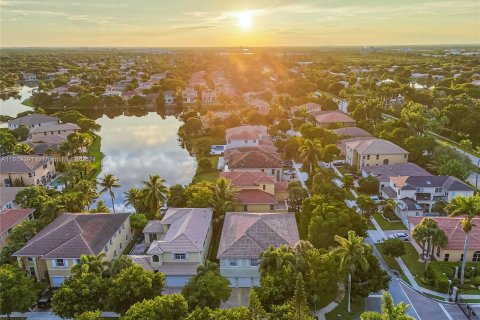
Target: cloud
(194, 27)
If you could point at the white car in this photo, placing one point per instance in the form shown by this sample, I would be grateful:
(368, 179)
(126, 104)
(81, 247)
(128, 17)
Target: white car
(289, 172)
(399, 235)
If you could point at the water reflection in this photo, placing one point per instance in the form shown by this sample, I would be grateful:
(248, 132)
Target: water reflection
(138, 146)
(11, 107)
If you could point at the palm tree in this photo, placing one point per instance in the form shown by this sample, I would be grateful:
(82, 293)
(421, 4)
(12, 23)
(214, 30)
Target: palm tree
(22, 149)
(89, 191)
(108, 183)
(390, 311)
(155, 193)
(92, 264)
(132, 197)
(311, 152)
(118, 264)
(469, 208)
(352, 256)
(223, 198)
(426, 229)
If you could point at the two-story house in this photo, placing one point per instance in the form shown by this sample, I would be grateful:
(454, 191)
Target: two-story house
(189, 95)
(177, 244)
(33, 121)
(9, 219)
(416, 195)
(245, 236)
(334, 118)
(373, 152)
(169, 97)
(209, 96)
(257, 192)
(59, 246)
(309, 107)
(256, 161)
(247, 136)
(63, 129)
(26, 170)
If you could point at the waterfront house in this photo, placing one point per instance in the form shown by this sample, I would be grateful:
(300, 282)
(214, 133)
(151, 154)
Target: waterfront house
(9, 219)
(189, 95)
(56, 248)
(247, 136)
(33, 121)
(26, 170)
(245, 236)
(41, 145)
(257, 192)
(169, 97)
(255, 161)
(63, 129)
(209, 96)
(373, 152)
(177, 244)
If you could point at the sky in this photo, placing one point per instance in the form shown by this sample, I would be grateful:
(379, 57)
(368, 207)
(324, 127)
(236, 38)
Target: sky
(220, 23)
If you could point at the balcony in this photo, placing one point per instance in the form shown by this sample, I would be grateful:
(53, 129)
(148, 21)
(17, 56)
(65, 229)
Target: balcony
(423, 197)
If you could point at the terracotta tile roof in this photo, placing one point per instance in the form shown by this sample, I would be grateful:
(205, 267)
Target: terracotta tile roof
(254, 159)
(270, 149)
(333, 117)
(352, 132)
(246, 235)
(73, 234)
(243, 179)
(255, 196)
(453, 230)
(257, 131)
(281, 186)
(187, 230)
(11, 217)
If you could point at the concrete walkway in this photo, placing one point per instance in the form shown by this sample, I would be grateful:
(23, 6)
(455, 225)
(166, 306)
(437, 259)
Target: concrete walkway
(332, 305)
(302, 176)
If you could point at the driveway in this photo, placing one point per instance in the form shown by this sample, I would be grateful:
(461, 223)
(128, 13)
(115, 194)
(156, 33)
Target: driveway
(239, 297)
(302, 176)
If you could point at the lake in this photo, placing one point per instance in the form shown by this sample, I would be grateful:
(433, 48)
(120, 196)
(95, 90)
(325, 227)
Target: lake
(12, 107)
(136, 147)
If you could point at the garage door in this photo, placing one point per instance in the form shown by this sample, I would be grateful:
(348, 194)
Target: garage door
(256, 282)
(244, 282)
(233, 282)
(57, 281)
(177, 281)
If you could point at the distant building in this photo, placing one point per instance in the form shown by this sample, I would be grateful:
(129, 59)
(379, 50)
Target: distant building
(63, 129)
(209, 96)
(33, 121)
(374, 152)
(189, 95)
(247, 136)
(169, 97)
(245, 236)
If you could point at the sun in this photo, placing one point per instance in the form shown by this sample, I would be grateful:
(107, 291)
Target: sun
(244, 20)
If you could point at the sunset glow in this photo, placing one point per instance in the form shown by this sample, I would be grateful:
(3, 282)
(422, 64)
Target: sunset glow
(244, 20)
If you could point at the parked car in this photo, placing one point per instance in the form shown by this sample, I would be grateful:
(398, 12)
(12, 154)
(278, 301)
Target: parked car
(45, 299)
(338, 163)
(289, 172)
(399, 235)
(376, 199)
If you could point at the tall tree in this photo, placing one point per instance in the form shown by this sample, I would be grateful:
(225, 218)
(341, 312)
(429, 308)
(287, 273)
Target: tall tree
(133, 198)
(108, 183)
(469, 208)
(223, 197)
(166, 307)
(255, 307)
(299, 300)
(91, 264)
(155, 194)
(311, 152)
(390, 311)
(351, 253)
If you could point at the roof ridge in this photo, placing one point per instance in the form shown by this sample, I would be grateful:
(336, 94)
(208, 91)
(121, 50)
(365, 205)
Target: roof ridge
(69, 240)
(61, 225)
(81, 234)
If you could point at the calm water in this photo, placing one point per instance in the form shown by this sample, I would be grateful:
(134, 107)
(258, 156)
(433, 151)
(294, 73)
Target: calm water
(136, 147)
(12, 107)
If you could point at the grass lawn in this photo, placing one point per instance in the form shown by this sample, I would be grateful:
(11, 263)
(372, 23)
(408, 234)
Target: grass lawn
(94, 151)
(210, 175)
(325, 300)
(370, 225)
(411, 260)
(350, 195)
(467, 300)
(387, 225)
(27, 102)
(340, 312)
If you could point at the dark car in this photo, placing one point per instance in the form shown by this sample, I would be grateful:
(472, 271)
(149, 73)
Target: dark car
(141, 238)
(45, 299)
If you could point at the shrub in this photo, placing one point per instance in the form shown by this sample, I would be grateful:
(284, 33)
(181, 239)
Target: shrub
(393, 247)
(436, 275)
(477, 281)
(205, 164)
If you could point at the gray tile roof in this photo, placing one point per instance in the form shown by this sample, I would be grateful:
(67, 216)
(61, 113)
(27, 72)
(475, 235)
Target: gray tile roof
(7, 194)
(447, 182)
(32, 119)
(410, 204)
(74, 234)
(246, 235)
(21, 164)
(383, 173)
(57, 127)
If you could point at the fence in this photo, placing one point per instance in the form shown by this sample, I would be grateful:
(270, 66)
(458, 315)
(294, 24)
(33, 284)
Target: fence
(470, 312)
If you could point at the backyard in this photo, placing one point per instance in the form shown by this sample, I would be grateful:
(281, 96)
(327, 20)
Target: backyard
(388, 225)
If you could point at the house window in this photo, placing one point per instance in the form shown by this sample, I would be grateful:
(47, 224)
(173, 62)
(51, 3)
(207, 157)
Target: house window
(476, 256)
(263, 186)
(273, 171)
(78, 261)
(29, 259)
(114, 253)
(60, 263)
(254, 141)
(126, 237)
(447, 257)
(438, 190)
(120, 245)
(272, 207)
(461, 257)
(180, 256)
(153, 237)
(405, 156)
(45, 166)
(245, 207)
(246, 141)
(106, 248)
(155, 258)
(368, 157)
(438, 251)
(233, 263)
(29, 174)
(378, 156)
(254, 262)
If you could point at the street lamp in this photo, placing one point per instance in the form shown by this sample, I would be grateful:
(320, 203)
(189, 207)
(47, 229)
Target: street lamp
(449, 285)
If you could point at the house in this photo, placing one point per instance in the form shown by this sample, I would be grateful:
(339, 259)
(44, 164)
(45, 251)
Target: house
(111, 91)
(7, 197)
(373, 152)
(177, 244)
(245, 236)
(416, 195)
(28, 76)
(261, 105)
(42, 145)
(9, 219)
(453, 250)
(268, 149)
(56, 248)
(63, 129)
(329, 119)
(255, 161)
(384, 173)
(26, 170)
(189, 95)
(209, 96)
(257, 192)
(169, 97)
(308, 107)
(247, 136)
(33, 121)
(352, 132)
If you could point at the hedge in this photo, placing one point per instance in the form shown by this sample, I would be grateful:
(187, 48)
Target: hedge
(439, 272)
